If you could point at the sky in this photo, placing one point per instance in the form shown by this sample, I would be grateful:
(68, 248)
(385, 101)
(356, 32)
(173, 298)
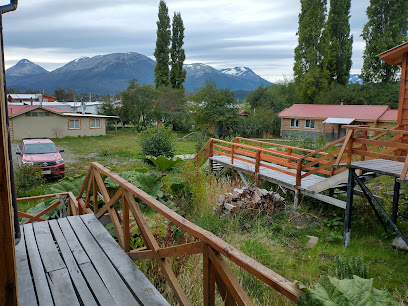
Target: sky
(259, 34)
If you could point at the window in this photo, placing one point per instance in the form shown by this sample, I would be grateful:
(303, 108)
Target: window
(95, 123)
(74, 124)
(309, 123)
(294, 122)
(34, 114)
(28, 114)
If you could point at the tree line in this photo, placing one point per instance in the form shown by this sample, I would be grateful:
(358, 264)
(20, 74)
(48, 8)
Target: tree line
(323, 54)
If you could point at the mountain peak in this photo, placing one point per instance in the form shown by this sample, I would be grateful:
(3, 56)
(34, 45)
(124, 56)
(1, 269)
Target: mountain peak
(25, 67)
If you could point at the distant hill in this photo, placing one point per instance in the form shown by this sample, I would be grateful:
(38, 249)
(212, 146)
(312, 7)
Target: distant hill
(109, 74)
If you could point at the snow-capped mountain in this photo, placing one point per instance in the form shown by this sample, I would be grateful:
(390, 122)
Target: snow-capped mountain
(25, 67)
(109, 74)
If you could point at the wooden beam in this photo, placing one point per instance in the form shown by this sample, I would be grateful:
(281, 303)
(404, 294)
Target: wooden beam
(8, 272)
(182, 250)
(229, 279)
(208, 279)
(152, 243)
(402, 89)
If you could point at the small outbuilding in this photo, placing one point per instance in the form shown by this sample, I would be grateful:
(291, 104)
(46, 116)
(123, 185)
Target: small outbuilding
(314, 120)
(45, 121)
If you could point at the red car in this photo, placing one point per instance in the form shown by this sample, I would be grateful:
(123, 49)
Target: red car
(43, 152)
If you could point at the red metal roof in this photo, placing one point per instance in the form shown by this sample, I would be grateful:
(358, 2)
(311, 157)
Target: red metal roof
(15, 110)
(358, 112)
(389, 115)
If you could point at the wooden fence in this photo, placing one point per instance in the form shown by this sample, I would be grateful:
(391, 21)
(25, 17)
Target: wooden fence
(213, 249)
(300, 162)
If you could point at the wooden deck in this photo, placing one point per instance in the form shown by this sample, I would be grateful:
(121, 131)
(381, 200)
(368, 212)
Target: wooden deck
(381, 166)
(75, 261)
(269, 174)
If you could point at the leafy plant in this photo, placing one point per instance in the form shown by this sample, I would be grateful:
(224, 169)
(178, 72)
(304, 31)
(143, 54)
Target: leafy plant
(164, 163)
(149, 182)
(331, 291)
(157, 141)
(66, 185)
(28, 177)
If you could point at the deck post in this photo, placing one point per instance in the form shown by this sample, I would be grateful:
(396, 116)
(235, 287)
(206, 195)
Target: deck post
(210, 154)
(349, 206)
(395, 200)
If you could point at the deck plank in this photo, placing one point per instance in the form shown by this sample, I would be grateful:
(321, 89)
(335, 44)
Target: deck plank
(27, 295)
(40, 279)
(75, 246)
(78, 280)
(50, 256)
(135, 279)
(114, 283)
(62, 289)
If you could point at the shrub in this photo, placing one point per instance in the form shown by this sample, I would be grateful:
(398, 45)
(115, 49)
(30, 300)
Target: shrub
(28, 177)
(157, 141)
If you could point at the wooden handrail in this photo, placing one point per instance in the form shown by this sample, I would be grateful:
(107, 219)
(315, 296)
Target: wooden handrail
(214, 244)
(72, 205)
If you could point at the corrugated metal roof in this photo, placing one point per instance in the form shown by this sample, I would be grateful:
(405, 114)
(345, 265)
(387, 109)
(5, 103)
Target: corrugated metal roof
(15, 110)
(323, 111)
(339, 120)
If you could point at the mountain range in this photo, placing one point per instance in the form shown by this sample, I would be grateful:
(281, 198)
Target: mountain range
(110, 74)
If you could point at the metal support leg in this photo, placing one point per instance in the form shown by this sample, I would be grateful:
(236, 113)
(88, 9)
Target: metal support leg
(349, 206)
(395, 200)
(296, 200)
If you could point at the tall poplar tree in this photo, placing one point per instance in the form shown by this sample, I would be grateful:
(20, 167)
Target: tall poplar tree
(177, 73)
(310, 69)
(386, 28)
(339, 41)
(161, 53)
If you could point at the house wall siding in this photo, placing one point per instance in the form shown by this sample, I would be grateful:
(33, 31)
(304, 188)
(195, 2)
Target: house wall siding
(55, 126)
(330, 130)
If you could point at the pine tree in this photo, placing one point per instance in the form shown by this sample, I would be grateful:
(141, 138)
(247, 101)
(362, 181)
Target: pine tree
(177, 73)
(339, 41)
(386, 28)
(161, 53)
(310, 69)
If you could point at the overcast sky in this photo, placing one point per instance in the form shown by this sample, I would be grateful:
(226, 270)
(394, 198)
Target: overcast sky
(259, 34)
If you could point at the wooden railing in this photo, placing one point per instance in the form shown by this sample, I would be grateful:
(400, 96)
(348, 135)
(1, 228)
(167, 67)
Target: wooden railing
(213, 249)
(364, 143)
(286, 159)
(294, 161)
(72, 205)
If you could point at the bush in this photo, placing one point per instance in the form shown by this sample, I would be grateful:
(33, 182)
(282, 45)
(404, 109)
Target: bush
(158, 141)
(28, 177)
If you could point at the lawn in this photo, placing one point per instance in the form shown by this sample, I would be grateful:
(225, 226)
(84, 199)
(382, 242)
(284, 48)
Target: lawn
(279, 241)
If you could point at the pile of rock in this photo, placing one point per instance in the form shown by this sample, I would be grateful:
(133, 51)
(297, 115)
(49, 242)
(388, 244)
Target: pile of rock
(251, 199)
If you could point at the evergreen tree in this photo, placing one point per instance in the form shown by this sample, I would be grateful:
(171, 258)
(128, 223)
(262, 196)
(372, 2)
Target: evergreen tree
(161, 53)
(339, 41)
(386, 28)
(177, 73)
(310, 69)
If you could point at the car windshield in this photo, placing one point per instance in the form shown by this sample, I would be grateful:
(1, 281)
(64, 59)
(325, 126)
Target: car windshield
(39, 148)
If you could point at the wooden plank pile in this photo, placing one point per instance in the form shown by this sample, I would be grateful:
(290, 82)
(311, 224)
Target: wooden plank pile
(251, 199)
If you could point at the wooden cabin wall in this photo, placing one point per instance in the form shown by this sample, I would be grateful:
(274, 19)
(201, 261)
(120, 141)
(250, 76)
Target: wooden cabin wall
(8, 271)
(403, 96)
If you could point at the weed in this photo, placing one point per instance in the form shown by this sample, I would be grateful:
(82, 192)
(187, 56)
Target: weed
(28, 177)
(346, 267)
